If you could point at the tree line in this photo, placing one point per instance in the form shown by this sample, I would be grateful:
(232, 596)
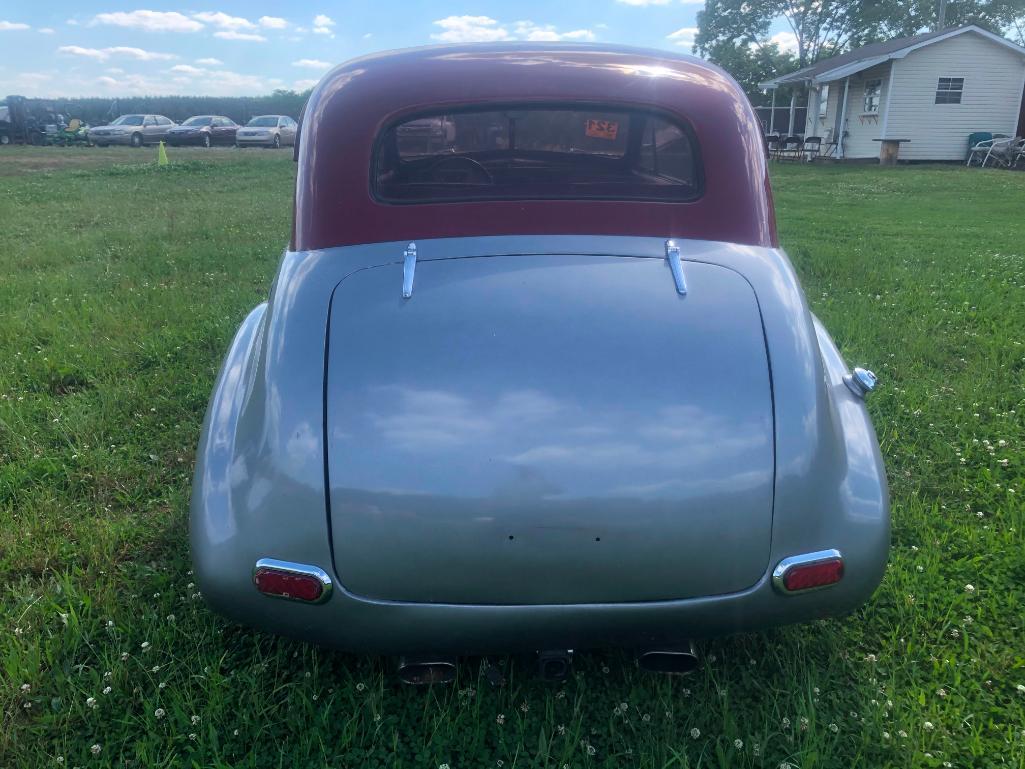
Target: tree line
(96, 110)
(735, 34)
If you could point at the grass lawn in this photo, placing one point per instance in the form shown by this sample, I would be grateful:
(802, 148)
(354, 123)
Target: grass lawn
(121, 287)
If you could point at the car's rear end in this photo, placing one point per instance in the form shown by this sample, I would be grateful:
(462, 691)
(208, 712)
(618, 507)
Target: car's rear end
(573, 400)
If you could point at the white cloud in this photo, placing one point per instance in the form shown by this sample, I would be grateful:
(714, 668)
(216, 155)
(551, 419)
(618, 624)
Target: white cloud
(150, 21)
(322, 25)
(469, 29)
(188, 69)
(368, 35)
(272, 22)
(311, 64)
(212, 83)
(223, 20)
(684, 36)
(528, 30)
(102, 54)
(12, 26)
(46, 30)
(231, 34)
(210, 61)
(72, 22)
(302, 85)
(484, 29)
(646, 2)
(787, 41)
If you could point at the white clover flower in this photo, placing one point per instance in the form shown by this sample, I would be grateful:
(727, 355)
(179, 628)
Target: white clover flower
(955, 633)
(155, 669)
(26, 688)
(834, 728)
(941, 692)
(500, 719)
(145, 646)
(969, 588)
(64, 618)
(159, 713)
(870, 658)
(902, 734)
(524, 706)
(235, 732)
(645, 718)
(786, 722)
(804, 723)
(886, 735)
(18, 632)
(110, 624)
(95, 749)
(360, 686)
(124, 656)
(59, 759)
(108, 675)
(1020, 688)
(162, 685)
(561, 729)
(738, 744)
(928, 726)
(591, 750)
(107, 690)
(695, 733)
(90, 702)
(195, 720)
(170, 618)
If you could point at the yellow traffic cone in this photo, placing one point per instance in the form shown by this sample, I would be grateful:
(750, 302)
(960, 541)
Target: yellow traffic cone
(161, 155)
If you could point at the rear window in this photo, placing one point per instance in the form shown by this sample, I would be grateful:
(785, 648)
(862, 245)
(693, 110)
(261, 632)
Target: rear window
(537, 152)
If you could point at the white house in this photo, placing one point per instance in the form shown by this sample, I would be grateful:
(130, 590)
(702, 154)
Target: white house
(932, 90)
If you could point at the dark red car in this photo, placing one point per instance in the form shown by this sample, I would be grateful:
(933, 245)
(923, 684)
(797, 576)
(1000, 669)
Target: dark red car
(204, 130)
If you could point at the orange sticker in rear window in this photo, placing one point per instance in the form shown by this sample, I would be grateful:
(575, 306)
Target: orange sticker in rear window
(602, 129)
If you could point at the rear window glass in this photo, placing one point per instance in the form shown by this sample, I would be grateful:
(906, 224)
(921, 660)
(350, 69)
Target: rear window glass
(536, 152)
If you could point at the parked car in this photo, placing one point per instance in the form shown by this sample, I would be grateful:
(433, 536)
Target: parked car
(204, 130)
(512, 391)
(267, 131)
(135, 130)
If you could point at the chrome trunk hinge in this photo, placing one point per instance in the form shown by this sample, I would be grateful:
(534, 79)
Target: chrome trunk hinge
(676, 265)
(408, 268)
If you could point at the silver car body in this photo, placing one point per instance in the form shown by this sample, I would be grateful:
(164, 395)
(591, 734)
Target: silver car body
(281, 133)
(151, 130)
(516, 442)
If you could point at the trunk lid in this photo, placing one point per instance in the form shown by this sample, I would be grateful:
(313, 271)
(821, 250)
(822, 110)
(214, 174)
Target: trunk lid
(548, 429)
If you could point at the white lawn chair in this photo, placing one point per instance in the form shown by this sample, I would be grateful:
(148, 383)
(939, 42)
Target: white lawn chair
(995, 150)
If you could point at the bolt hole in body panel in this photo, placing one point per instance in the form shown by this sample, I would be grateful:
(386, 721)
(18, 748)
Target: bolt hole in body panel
(575, 399)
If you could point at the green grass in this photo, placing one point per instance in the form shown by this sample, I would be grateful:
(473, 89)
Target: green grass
(120, 287)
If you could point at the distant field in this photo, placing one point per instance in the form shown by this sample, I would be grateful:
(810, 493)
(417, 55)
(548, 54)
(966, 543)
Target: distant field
(121, 287)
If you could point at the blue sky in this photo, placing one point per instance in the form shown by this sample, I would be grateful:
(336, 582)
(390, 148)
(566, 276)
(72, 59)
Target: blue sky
(71, 48)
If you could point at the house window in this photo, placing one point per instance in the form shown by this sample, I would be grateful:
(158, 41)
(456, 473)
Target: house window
(823, 101)
(949, 90)
(873, 88)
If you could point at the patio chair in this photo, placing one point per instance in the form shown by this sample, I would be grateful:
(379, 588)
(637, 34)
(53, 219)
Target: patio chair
(997, 151)
(791, 148)
(812, 148)
(977, 145)
(772, 145)
(1017, 154)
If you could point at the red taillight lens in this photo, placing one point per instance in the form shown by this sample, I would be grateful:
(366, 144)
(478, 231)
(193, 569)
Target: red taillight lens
(807, 576)
(301, 587)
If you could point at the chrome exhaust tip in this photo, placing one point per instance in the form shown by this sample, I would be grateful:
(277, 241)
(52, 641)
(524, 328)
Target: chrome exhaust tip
(674, 661)
(420, 671)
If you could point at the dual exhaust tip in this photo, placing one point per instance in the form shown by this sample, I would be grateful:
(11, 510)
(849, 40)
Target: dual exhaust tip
(552, 665)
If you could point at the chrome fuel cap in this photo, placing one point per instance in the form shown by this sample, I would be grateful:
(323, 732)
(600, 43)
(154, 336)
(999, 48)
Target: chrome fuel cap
(861, 381)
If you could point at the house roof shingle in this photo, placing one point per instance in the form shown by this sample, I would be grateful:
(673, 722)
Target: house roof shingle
(869, 54)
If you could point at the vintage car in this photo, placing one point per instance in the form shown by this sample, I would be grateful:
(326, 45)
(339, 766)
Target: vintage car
(544, 382)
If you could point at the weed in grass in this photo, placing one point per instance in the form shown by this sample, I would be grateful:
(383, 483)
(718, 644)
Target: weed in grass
(113, 322)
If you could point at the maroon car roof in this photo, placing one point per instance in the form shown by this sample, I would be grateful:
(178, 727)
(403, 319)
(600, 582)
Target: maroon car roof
(355, 101)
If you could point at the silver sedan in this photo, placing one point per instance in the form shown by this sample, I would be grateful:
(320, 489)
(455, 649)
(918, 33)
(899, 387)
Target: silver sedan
(267, 131)
(135, 130)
